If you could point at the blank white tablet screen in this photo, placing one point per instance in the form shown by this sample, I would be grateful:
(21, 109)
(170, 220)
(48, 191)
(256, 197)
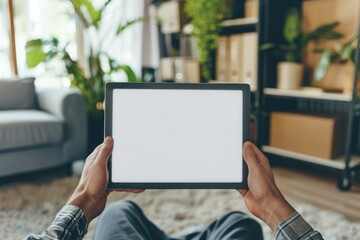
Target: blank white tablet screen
(177, 136)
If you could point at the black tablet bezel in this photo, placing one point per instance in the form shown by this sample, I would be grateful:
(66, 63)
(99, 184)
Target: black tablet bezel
(185, 86)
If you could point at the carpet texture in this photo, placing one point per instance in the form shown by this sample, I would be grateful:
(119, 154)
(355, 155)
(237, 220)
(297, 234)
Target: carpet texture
(29, 208)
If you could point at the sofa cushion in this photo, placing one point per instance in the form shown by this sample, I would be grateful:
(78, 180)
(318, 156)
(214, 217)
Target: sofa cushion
(28, 128)
(17, 94)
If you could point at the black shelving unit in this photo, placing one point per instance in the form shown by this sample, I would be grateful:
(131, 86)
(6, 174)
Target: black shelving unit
(266, 98)
(269, 99)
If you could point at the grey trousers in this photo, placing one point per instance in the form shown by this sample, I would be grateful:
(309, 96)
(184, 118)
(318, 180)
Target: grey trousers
(125, 220)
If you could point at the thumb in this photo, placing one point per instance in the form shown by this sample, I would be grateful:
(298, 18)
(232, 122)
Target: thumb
(105, 151)
(250, 156)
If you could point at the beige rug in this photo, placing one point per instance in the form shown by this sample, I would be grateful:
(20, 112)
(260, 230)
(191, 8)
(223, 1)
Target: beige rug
(29, 208)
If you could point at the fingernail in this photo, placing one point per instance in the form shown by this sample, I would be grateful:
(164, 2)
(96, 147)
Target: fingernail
(108, 140)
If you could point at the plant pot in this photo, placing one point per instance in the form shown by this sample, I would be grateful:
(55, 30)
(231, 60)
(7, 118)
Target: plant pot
(95, 130)
(290, 75)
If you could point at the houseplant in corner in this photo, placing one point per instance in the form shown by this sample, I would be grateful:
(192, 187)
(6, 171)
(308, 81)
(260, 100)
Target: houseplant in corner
(206, 17)
(335, 63)
(290, 71)
(101, 66)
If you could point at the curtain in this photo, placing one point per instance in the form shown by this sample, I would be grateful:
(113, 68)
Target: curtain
(137, 45)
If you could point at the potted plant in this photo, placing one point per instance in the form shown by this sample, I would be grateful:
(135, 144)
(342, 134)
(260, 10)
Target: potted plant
(291, 69)
(336, 62)
(101, 66)
(206, 17)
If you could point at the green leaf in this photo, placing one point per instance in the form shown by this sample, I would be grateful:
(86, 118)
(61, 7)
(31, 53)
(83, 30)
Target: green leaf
(206, 17)
(322, 32)
(123, 26)
(115, 67)
(129, 73)
(323, 65)
(332, 36)
(348, 49)
(34, 53)
(267, 46)
(326, 28)
(40, 50)
(105, 5)
(292, 25)
(346, 52)
(91, 16)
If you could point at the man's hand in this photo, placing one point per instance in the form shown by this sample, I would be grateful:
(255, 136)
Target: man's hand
(263, 198)
(91, 193)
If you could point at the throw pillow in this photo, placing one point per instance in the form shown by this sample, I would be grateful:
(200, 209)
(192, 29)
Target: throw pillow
(17, 93)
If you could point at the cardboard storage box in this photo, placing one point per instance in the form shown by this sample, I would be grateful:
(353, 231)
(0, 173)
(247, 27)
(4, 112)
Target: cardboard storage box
(318, 136)
(252, 8)
(339, 78)
(319, 12)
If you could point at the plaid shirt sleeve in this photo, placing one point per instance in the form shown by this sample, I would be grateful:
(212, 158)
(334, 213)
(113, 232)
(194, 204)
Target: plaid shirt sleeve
(295, 227)
(69, 223)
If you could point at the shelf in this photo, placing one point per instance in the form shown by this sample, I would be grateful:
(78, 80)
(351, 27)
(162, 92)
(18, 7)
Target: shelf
(231, 26)
(307, 94)
(239, 25)
(338, 163)
(240, 22)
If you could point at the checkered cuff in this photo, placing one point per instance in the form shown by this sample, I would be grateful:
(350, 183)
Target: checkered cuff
(295, 227)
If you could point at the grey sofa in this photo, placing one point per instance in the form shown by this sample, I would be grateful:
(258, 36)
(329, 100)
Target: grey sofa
(39, 129)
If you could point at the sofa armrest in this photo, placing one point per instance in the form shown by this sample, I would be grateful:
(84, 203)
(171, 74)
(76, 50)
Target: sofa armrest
(69, 105)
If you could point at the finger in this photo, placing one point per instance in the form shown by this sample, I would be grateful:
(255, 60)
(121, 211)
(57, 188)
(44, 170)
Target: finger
(250, 156)
(104, 152)
(128, 190)
(134, 190)
(260, 156)
(108, 192)
(261, 160)
(242, 191)
(91, 158)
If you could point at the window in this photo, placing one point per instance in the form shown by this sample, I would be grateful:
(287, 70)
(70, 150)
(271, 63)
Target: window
(36, 19)
(126, 48)
(5, 70)
(54, 18)
(43, 19)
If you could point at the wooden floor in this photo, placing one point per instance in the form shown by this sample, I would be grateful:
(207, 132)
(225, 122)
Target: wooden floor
(319, 188)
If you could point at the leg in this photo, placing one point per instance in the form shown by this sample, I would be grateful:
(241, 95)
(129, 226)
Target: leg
(233, 225)
(125, 220)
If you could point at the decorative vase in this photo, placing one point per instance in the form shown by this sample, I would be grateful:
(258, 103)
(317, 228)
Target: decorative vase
(290, 75)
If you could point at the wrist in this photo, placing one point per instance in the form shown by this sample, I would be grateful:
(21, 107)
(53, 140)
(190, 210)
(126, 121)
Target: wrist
(84, 203)
(277, 212)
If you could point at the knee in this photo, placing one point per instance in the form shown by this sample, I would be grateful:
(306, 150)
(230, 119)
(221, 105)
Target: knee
(242, 226)
(240, 218)
(236, 216)
(122, 208)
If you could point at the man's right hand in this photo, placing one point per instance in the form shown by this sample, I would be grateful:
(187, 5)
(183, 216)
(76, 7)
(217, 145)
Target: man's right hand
(263, 198)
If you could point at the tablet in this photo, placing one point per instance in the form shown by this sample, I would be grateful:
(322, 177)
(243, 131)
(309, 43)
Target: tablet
(170, 135)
